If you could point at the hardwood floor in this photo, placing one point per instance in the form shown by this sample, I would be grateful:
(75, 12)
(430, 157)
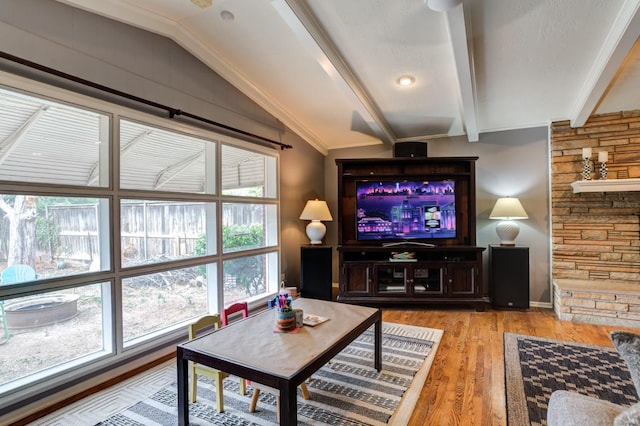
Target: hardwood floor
(466, 382)
(465, 385)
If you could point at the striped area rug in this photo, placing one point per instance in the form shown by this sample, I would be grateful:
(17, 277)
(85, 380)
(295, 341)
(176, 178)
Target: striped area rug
(347, 391)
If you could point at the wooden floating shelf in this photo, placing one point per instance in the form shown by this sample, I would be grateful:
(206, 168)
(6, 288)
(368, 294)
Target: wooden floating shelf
(608, 185)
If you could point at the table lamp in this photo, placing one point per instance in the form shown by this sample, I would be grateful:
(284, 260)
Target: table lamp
(507, 209)
(316, 211)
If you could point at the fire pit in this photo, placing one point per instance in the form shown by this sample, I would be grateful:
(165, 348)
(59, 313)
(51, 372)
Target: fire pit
(42, 310)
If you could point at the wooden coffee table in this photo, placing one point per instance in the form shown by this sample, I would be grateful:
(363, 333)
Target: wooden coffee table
(251, 349)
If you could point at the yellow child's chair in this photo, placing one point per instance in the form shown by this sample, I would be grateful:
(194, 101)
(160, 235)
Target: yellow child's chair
(202, 370)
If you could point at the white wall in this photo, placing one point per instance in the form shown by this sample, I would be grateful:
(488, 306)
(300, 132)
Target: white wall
(513, 163)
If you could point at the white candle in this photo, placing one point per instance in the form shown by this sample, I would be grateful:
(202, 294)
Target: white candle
(586, 152)
(603, 156)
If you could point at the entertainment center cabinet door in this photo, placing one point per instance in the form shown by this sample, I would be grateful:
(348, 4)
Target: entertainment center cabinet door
(355, 279)
(462, 279)
(427, 280)
(391, 279)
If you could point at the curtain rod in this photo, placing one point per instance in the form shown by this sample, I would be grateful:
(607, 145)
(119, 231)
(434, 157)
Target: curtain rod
(173, 112)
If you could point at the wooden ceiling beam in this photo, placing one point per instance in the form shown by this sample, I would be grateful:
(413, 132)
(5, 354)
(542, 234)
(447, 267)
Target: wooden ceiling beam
(618, 43)
(460, 34)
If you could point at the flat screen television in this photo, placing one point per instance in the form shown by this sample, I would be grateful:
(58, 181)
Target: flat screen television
(405, 210)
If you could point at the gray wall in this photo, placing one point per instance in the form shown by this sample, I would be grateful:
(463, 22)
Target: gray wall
(155, 68)
(513, 163)
(132, 60)
(301, 179)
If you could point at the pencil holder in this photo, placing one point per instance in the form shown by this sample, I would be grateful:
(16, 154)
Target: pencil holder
(285, 316)
(285, 320)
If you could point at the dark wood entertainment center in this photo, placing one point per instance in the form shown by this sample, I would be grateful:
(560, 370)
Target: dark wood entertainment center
(420, 271)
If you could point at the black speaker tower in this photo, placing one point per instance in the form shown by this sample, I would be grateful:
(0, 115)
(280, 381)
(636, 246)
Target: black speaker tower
(509, 274)
(315, 272)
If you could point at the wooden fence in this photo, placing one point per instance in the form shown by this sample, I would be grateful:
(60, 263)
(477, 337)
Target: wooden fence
(149, 229)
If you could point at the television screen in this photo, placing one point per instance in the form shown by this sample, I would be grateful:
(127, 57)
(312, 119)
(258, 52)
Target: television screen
(397, 210)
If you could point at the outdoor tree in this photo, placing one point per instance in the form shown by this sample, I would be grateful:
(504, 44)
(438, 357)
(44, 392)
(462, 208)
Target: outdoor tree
(22, 228)
(248, 271)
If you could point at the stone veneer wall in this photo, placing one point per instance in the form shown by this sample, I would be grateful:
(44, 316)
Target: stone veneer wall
(596, 236)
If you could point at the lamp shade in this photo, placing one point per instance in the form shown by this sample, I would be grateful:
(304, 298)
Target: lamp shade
(316, 211)
(507, 209)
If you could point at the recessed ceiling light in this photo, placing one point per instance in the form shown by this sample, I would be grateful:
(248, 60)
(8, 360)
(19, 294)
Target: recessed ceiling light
(227, 16)
(406, 80)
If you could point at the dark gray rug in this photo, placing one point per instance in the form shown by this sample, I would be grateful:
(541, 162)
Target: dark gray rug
(347, 391)
(535, 367)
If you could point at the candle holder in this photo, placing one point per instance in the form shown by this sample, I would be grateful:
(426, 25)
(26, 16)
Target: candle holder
(586, 170)
(603, 170)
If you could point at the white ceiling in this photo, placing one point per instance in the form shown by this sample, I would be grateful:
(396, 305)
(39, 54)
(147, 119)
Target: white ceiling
(327, 68)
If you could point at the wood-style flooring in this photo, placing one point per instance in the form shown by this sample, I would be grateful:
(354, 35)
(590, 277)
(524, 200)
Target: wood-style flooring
(466, 382)
(465, 385)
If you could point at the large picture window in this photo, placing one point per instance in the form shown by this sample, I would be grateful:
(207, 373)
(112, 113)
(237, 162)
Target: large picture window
(249, 276)
(249, 174)
(54, 236)
(44, 141)
(154, 231)
(157, 159)
(154, 302)
(248, 226)
(52, 330)
(117, 229)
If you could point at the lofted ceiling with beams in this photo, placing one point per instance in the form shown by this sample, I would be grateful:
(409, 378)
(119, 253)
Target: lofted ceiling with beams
(328, 69)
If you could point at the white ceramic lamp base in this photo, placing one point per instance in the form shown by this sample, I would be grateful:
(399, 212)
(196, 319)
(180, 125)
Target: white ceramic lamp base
(316, 231)
(507, 230)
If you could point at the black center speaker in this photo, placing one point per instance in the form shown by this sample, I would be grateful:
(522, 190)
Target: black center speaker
(410, 149)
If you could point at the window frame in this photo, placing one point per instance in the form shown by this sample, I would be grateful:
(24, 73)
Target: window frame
(112, 327)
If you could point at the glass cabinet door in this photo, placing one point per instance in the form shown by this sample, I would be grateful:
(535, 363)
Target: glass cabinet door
(391, 278)
(427, 279)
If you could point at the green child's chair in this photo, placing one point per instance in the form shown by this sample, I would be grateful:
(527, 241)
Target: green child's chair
(11, 275)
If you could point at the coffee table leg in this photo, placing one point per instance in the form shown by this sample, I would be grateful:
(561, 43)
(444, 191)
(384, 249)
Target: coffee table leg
(288, 405)
(183, 389)
(378, 345)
